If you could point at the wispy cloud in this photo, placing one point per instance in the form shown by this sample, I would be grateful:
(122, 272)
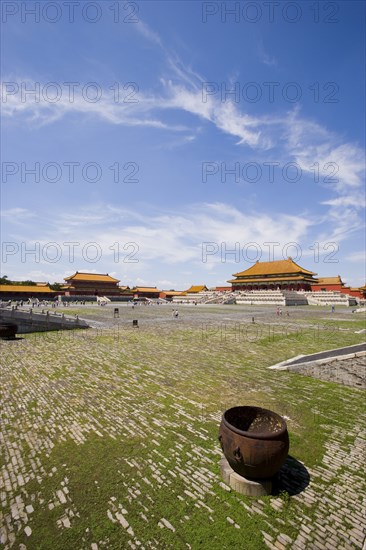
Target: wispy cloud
(335, 163)
(165, 242)
(39, 110)
(359, 256)
(148, 33)
(17, 214)
(265, 57)
(172, 237)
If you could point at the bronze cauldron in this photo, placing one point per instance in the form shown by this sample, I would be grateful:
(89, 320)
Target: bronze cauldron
(254, 441)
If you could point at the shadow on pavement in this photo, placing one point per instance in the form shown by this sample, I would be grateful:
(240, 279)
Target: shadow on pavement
(293, 478)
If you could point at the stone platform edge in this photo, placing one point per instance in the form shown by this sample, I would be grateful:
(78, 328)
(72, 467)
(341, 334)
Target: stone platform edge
(242, 485)
(285, 365)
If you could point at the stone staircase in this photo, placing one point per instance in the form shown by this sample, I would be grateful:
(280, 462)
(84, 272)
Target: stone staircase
(294, 298)
(259, 297)
(330, 298)
(206, 297)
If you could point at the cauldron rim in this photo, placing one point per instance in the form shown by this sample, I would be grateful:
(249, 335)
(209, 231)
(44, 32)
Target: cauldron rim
(256, 435)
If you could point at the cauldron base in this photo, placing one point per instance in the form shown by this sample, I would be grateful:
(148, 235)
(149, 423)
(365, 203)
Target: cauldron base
(242, 485)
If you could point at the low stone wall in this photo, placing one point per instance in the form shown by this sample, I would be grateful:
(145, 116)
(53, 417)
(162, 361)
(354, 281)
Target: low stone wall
(30, 321)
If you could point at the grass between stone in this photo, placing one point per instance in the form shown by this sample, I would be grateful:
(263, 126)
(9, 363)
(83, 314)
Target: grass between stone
(124, 423)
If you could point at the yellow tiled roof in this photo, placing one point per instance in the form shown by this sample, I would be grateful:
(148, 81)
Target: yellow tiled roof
(223, 288)
(295, 278)
(145, 289)
(197, 288)
(330, 280)
(25, 288)
(94, 277)
(173, 292)
(273, 268)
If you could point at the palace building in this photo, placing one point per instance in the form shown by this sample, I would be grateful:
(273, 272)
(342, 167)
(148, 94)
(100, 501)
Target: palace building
(42, 291)
(194, 289)
(170, 294)
(362, 291)
(281, 274)
(145, 292)
(326, 284)
(91, 284)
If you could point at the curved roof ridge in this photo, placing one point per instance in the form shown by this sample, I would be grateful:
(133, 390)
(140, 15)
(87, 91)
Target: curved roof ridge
(274, 267)
(98, 277)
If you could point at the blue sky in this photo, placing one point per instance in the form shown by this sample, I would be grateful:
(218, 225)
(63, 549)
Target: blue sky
(148, 168)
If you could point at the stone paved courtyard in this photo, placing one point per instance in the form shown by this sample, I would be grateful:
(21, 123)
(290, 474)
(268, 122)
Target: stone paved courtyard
(109, 435)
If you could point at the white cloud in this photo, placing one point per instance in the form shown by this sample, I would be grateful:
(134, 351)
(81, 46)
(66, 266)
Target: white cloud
(17, 215)
(39, 110)
(147, 32)
(337, 164)
(356, 200)
(171, 238)
(359, 256)
(265, 57)
(334, 163)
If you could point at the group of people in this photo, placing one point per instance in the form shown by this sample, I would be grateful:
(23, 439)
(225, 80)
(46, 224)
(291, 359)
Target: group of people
(279, 312)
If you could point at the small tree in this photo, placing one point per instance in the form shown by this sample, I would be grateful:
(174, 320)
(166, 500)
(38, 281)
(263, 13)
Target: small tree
(55, 286)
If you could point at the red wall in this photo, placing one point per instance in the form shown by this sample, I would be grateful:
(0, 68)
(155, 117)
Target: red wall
(335, 287)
